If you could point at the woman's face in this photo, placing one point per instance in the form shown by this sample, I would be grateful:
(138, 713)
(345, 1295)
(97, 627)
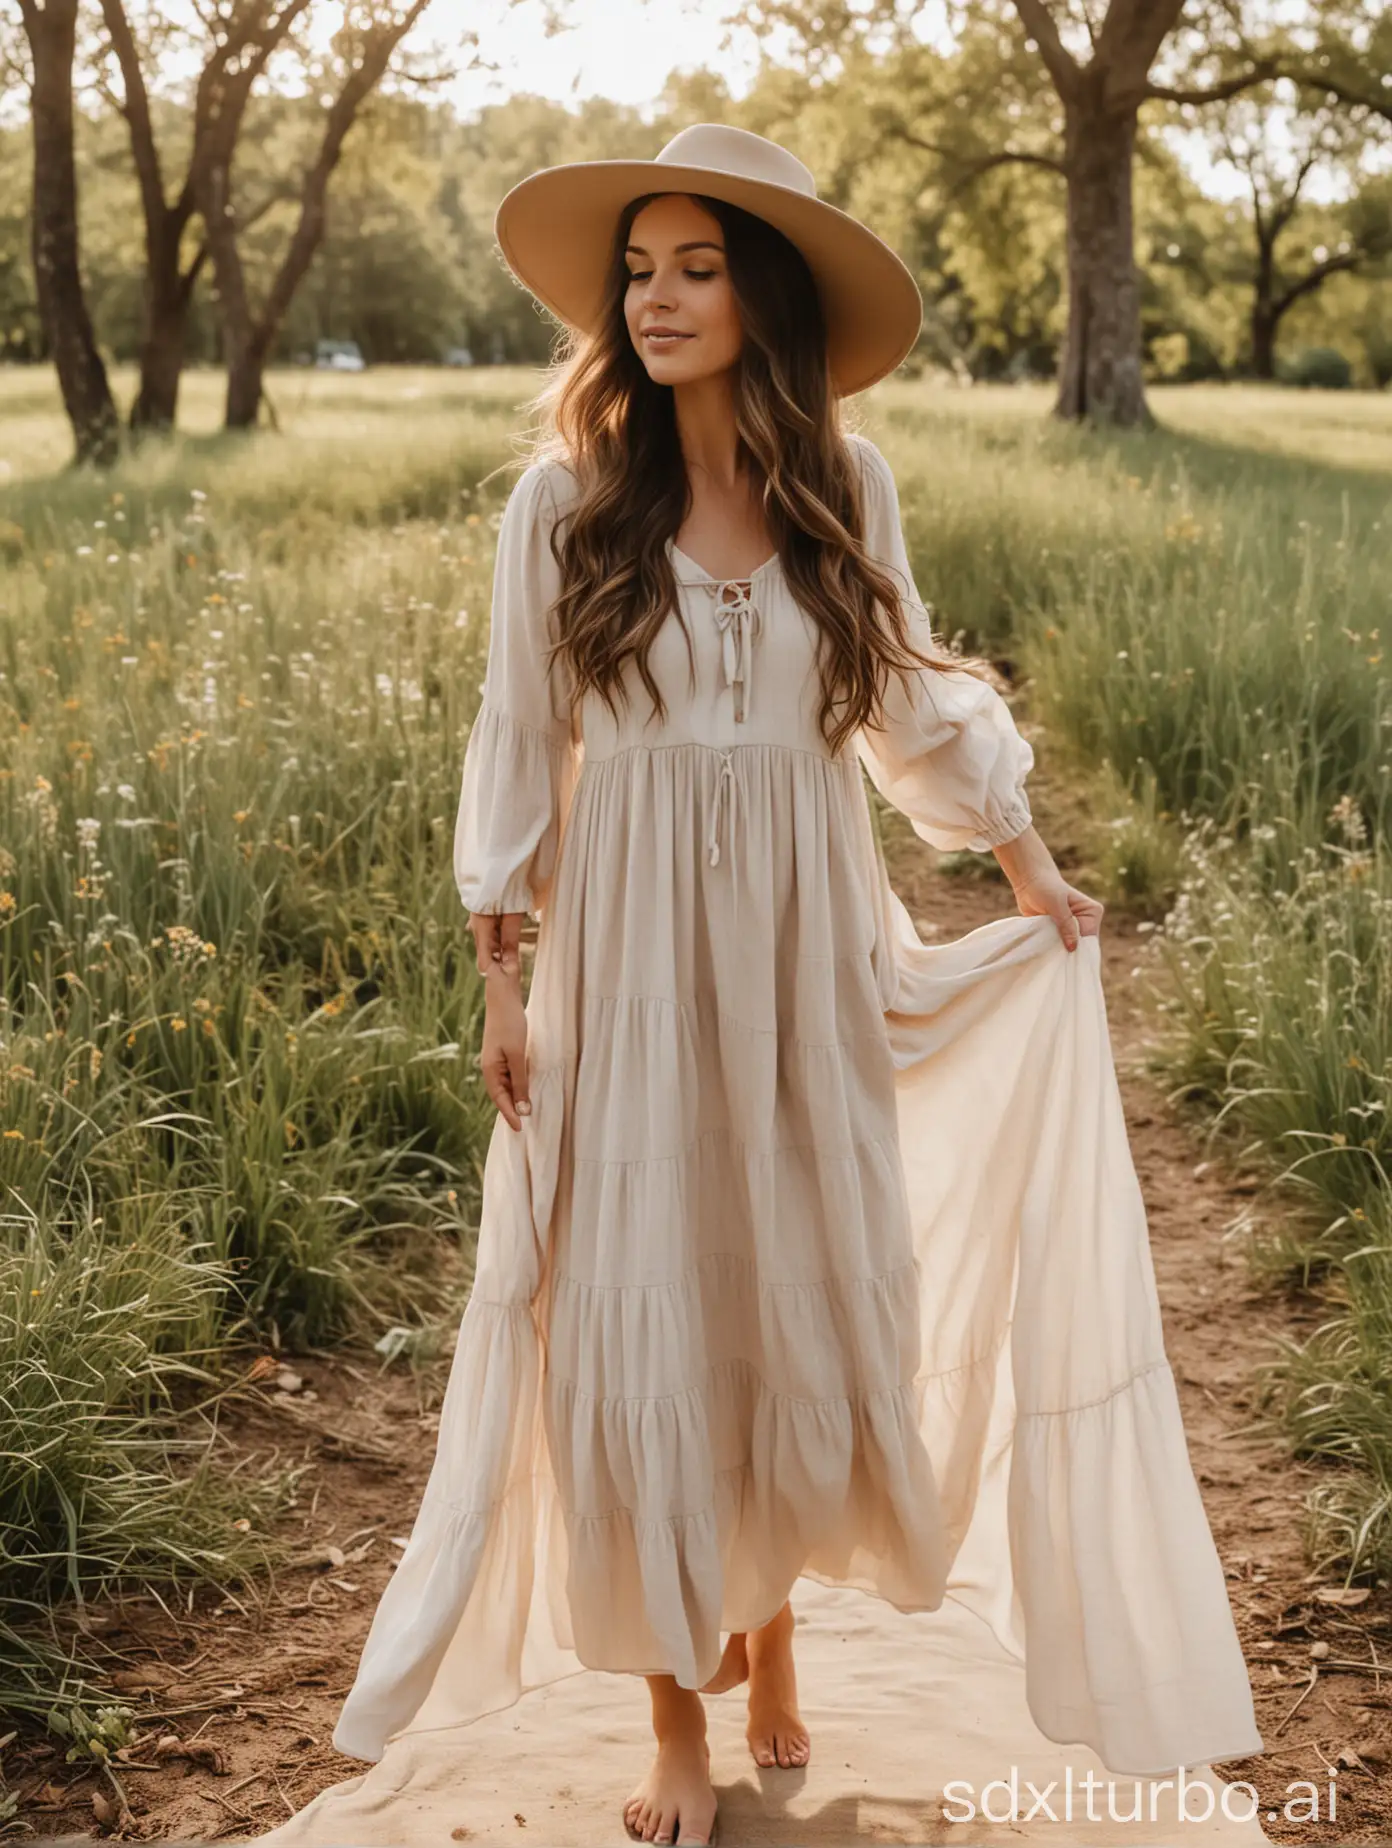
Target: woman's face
(680, 305)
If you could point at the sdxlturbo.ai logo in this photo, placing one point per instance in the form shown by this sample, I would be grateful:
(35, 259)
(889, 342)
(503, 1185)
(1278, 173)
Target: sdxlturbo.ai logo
(1194, 1800)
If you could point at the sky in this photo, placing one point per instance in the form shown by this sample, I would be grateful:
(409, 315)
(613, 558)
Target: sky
(622, 49)
(626, 49)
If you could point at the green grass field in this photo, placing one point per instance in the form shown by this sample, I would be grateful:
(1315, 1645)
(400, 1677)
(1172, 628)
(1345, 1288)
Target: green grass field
(237, 1012)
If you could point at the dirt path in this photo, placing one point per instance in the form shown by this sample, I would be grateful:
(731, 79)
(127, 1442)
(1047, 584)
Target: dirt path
(256, 1691)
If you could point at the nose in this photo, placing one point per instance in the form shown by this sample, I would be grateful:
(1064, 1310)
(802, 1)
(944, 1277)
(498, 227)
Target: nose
(658, 291)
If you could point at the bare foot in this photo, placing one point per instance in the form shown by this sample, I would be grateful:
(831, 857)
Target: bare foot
(676, 1800)
(734, 1666)
(776, 1733)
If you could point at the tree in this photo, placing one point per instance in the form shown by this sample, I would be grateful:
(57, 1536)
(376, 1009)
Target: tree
(1101, 62)
(1277, 151)
(51, 32)
(244, 35)
(362, 51)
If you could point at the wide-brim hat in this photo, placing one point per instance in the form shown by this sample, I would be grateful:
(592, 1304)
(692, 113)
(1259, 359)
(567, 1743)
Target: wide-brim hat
(556, 230)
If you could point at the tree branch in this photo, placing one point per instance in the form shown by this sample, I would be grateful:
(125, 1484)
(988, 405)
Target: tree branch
(1260, 73)
(974, 165)
(136, 111)
(1347, 260)
(343, 112)
(1334, 86)
(1062, 66)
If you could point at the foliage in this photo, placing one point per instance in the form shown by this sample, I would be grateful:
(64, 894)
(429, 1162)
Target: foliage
(896, 131)
(1322, 367)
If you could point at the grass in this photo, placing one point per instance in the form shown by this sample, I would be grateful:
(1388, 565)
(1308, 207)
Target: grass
(238, 1097)
(237, 1093)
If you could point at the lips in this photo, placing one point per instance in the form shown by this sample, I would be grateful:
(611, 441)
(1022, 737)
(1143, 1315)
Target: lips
(665, 336)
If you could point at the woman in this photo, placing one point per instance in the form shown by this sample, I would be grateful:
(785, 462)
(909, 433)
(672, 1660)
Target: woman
(700, 1357)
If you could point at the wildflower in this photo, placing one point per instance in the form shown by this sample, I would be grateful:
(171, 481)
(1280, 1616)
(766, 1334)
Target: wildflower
(1347, 816)
(179, 1024)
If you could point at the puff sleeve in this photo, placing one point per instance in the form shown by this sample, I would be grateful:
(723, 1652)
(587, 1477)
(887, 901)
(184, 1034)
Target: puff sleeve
(519, 763)
(947, 753)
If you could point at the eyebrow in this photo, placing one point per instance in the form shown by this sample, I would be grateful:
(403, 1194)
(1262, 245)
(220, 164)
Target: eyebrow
(700, 243)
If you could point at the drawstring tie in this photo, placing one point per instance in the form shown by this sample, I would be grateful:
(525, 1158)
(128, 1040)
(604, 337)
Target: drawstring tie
(738, 620)
(725, 776)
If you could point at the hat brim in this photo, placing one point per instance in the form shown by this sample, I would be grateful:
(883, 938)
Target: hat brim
(556, 228)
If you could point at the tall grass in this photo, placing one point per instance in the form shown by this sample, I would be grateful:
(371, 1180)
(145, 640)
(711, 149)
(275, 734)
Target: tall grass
(103, 1478)
(232, 707)
(237, 1018)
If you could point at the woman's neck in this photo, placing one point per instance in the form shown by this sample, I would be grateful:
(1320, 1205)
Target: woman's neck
(705, 413)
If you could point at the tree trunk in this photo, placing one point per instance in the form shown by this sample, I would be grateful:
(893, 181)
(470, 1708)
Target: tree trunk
(242, 351)
(1264, 325)
(1265, 314)
(246, 371)
(1100, 373)
(162, 352)
(82, 378)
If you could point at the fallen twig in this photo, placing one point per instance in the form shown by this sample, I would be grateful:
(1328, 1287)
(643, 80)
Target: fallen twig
(1314, 1677)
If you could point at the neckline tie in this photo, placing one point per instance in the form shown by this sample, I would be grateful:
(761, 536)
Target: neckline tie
(738, 619)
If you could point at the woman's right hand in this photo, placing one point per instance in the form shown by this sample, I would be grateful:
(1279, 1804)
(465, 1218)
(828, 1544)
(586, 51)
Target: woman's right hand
(504, 1057)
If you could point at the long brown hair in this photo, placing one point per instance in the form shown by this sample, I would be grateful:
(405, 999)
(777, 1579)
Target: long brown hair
(617, 432)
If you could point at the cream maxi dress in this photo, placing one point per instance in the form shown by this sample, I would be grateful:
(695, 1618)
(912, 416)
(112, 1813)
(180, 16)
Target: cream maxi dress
(822, 1246)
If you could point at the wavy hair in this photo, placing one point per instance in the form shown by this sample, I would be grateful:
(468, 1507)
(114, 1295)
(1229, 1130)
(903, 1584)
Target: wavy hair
(616, 430)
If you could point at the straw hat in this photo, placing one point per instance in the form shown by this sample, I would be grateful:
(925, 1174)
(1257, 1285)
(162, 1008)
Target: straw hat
(556, 230)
